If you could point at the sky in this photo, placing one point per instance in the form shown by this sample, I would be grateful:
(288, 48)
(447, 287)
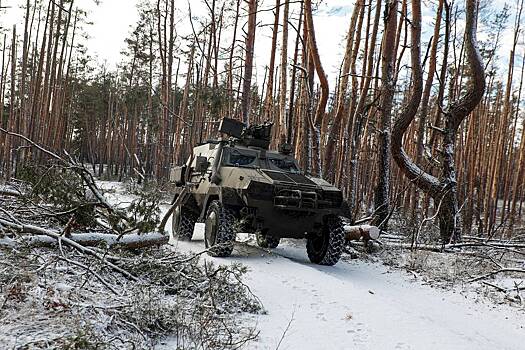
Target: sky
(112, 21)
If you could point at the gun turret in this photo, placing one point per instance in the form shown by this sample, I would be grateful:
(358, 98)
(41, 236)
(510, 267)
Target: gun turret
(257, 135)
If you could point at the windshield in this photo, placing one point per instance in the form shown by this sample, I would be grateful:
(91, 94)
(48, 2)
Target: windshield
(284, 164)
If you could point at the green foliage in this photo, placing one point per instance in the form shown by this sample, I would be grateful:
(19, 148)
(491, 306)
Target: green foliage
(144, 212)
(61, 188)
(82, 340)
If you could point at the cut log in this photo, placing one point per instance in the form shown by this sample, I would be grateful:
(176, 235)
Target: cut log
(365, 232)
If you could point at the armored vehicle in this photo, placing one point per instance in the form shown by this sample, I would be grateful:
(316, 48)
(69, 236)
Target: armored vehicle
(236, 184)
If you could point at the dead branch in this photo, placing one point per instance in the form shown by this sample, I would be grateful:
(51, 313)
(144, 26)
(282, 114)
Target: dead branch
(97, 276)
(447, 247)
(86, 176)
(501, 289)
(495, 272)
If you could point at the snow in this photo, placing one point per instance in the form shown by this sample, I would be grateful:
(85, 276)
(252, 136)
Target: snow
(362, 305)
(359, 305)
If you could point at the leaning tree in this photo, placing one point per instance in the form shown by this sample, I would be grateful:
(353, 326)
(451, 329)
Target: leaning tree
(442, 189)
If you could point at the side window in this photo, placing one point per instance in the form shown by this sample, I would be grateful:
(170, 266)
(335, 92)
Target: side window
(240, 158)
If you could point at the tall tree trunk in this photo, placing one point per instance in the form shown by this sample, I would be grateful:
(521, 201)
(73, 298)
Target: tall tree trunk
(359, 116)
(382, 201)
(268, 100)
(315, 124)
(283, 84)
(328, 171)
(248, 62)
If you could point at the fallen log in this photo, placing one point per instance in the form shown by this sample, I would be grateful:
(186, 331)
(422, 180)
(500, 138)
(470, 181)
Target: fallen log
(439, 248)
(130, 241)
(495, 272)
(365, 232)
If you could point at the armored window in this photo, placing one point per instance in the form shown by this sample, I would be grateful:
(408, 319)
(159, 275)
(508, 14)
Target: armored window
(284, 164)
(241, 158)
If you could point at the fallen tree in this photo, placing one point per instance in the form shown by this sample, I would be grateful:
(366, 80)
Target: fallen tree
(64, 193)
(92, 239)
(81, 256)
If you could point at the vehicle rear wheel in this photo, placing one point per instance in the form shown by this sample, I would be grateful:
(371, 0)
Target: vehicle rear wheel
(219, 235)
(182, 223)
(326, 247)
(266, 241)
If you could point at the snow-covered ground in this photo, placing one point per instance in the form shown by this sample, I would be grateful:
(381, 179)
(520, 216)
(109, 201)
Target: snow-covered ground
(361, 305)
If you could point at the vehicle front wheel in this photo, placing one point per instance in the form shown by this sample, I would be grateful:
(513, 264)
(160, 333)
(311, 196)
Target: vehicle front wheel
(266, 241)
(182, 223)
(326, 247)
(219, 235)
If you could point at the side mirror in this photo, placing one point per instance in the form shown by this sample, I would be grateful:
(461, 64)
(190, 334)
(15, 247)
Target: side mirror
(177, 175)
(201, 164)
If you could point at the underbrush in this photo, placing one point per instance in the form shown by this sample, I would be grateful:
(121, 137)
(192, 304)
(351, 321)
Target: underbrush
(62, 299)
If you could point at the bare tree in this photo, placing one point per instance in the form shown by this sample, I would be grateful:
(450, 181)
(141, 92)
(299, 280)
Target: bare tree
(315, 124)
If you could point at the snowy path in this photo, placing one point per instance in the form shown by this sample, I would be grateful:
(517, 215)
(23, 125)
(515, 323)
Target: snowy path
(359, 305)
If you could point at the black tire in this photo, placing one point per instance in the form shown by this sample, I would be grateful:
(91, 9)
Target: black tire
(182, 223)
(219, 235)
(266, 241)
(326, 247)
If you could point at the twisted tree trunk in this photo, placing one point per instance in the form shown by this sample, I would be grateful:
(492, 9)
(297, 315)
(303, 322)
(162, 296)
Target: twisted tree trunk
(442, 190)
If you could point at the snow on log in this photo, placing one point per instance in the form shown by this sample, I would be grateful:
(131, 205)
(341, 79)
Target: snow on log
(129, 241)
(366, 232)
(42, 236)
(9, 192)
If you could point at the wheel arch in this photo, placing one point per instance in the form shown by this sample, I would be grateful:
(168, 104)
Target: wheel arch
(206, 204)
